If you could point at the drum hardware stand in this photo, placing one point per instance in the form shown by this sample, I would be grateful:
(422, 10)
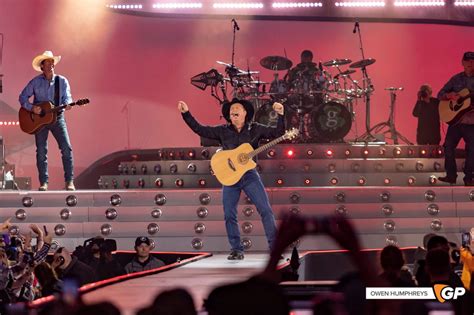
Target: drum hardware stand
(390, 123)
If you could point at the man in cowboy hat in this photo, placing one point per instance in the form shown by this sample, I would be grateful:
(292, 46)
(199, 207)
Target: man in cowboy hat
(49, 87)
(238, 130)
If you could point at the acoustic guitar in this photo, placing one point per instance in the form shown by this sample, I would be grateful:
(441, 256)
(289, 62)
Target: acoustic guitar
(451, 111)
(230, 165)
(31, 122)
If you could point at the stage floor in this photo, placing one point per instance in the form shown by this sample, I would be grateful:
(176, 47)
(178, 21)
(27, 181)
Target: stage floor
(199, 278)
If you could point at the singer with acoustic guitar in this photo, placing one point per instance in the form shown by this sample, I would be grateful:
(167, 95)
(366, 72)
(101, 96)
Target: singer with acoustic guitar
(240, 132)
(456, 109)
(54, 89)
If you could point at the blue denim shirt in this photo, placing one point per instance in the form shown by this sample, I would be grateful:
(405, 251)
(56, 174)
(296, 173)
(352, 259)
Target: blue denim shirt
(229, 137)
(42, 90)
(457, 83)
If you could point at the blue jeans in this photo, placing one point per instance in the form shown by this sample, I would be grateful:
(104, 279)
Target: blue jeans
(453, 136)
(59, 131)
(252, 185)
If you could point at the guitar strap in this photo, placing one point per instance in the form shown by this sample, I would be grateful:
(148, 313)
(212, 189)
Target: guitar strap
(56, 91)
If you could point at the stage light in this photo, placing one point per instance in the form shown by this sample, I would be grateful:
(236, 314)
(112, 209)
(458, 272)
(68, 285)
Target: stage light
(386, 181)
(205, 154)
(307, 181)
(65, 214)
(237, 5)
(179, 182)
(160, 199)
(144, 169)
(106, 229)
(279, 182)
(115, 200)
(159, 182)
(378, 167)
(141, 183)
(125, 169)
(27, 201)
(202, 182)
(246, 243)
(333, 181)
(247, 227)
(204, 199)
(361, 181)
(173, 168)
(410, 151)
(271, 153)
(59, 230)
(411, 180)
(156, 213)
(111, 214)
(309, 152)
(114, 183)
(399, 3)
(199, 228)
(433, 180)
(306, 168)
(20, 214)
(382, 151)
(419, 166)
(9, 123)
(471, 195)
(133, 169)
(387, 210)
(290, 153)
(292, 5)
(71, 200)
(191, 154)
(399, 167)
(202, 212)
(361, 4)
(329, 153)
(125, 6)
(365, 152)
(157, 169)
(439, 151)
(332, 168)
(464, 3)
(436, 166)
(397, 151)
(341, 210)
(248, 211)
(355, 167)
(385, 196)
(433, 209)
(197, 243)
(192, 167)
(340, 197)
(430, 195)
(391, 240)
(126, 183)
(389, 225)
(171, 5)
(436, 225)
(423, 152)
(295, 210)
(152, 228)
(295, 198)
(347, 152)
(171, 155)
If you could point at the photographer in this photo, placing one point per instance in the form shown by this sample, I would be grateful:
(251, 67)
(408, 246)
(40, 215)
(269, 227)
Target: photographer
(108, 267)
(68, 266)
(426, 109)
(467, 259)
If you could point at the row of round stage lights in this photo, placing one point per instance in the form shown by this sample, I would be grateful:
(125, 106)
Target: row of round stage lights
(288, 5)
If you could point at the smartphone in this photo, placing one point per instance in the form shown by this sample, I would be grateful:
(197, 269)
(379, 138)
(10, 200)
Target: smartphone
(465, 239)
(70, 292)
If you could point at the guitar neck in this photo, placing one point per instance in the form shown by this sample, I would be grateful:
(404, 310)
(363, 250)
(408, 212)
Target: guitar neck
(265, 146)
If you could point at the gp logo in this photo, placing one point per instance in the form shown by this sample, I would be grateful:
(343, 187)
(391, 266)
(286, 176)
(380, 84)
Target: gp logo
(445, 293)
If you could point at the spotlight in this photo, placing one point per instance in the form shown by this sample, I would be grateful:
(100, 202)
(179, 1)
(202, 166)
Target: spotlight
(365, 152)
(191, 154)
(397, 151)
(340, 197)
(436, 225)
(334, 181)
(59, 230)
(156, 213)
(199, 228)
(271, 153)
(419, 166)
(115, 200)
(246, 243)
(347, 152)
(195, 5)
(471, 195)
(204, 199)
(361, 4)
(410, 151)
(133, 169)
(387, 210)
(279, 182)
(71, 201)
(192, 167)
(160, 154)
(430, 195)
(247, 227)
(179, 182)
(341, 210)
(332, 168)
(160, 199)
(439, 151)
(65, 214)
(171, 155)
(157, 169)
(295, 210)
(111, 214)
(387, 181)
(309, 152)
(27, 201)
(433, 209)
(433, 180)
(382, 151)
(295, 198)
(411, 180)
(231, 5)
(144, 169)
(205, 154)
(385, 196)
(126, 183)
(307, 181)
(423, 152)
(436, 166)
(389, 225)
(141, 183)
(202, 212)
(152, 228)
(106, 229)
(173, 168)
(361, 181)
(20, 214)
(248, 211)
(197, 243)
(286, 5)
(391, 240)
(329, 153)
(159, 182)
(202, 182)
(290, 153)
(114, 183)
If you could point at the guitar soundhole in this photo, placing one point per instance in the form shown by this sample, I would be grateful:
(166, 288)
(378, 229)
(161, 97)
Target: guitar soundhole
(243, 158)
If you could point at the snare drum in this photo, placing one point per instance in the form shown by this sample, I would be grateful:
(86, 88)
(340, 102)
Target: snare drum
(332, 121)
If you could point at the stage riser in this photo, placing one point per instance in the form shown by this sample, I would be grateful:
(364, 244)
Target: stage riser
(400, 214)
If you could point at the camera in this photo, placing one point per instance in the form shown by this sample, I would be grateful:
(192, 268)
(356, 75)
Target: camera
(465, 239)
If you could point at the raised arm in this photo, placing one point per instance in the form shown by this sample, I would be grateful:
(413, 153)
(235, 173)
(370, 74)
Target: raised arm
(271, 132)
(203, 131)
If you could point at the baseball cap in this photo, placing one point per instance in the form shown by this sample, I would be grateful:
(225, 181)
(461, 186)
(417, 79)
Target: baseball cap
(468, 55)
(142, 239)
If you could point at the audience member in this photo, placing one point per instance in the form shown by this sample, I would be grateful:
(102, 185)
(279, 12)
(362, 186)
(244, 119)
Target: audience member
(392, 262)
(172, 302)
(47, 279)
(143, 260)
(69, 266)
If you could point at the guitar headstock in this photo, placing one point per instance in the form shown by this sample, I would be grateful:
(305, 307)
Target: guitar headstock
(291, 134)
(82, 101)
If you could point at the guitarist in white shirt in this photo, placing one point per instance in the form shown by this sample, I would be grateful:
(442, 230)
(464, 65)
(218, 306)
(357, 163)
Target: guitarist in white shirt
(237, 131)
(463, 128)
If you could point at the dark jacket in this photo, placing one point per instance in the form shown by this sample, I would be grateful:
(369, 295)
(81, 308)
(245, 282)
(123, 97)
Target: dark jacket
(79, 271)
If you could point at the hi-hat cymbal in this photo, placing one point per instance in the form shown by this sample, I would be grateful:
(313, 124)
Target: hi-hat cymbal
(336, 62)
(276, 63)
(344, 73)
(362, 63)
(247, 72)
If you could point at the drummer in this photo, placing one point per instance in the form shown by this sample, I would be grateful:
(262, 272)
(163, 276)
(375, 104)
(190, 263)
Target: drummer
(306, 77)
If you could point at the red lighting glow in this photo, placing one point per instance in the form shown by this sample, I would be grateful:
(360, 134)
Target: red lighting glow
(290, 153)
(271, 153)
(423, 152)
(347, 153)
(334, 181)
(179, 182)
(279, 182)
(329, 153)
(9, 123)
(202, 182)
(309, 152)
(307, 181)
(387, 181)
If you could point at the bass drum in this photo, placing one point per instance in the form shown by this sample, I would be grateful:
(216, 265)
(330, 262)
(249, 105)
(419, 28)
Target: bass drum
(266, 115)
(332, 122)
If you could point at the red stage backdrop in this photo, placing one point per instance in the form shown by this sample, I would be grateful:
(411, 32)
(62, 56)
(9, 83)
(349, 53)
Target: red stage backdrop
(135, 69)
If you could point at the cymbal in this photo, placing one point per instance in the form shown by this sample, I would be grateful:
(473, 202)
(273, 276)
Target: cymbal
(247, 72)
(276, 63)
(258, 82)
(344, 73)
(336, 62)
(362, 63)
(240, 71)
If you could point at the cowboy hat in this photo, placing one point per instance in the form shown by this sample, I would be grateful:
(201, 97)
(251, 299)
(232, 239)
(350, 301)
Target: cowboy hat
(40, 58)
(246, 104)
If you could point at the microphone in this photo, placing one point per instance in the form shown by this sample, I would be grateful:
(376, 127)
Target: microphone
(236, 26)
(356, 25)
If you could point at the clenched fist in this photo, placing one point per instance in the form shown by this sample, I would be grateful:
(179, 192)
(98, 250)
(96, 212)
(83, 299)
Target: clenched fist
(182, 107)
(278, 108)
